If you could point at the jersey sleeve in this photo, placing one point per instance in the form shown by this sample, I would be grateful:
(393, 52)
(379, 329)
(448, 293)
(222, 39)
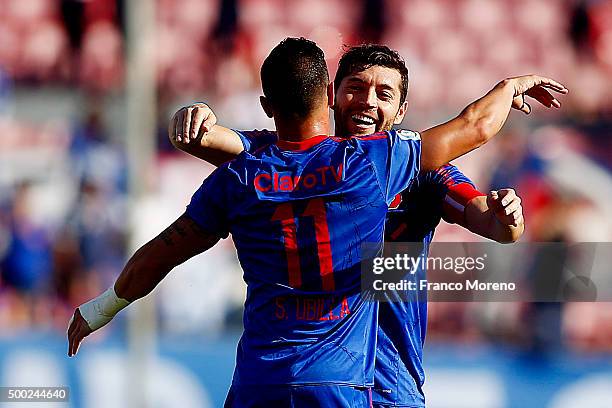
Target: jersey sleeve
(255, 139)
(208, 206)
(460, 191)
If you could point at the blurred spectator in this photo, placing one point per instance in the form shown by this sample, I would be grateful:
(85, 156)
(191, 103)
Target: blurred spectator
(225, 30)
(72, 12)
(27, 263)
(580, 27)
(95, 159)
(373, 20)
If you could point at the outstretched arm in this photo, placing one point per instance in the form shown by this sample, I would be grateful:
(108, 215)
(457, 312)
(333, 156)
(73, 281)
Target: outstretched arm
(182, 240)
(194, 130)
(482, 119)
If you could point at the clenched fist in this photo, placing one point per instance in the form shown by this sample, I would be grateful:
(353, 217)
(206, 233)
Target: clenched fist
(191, 122)
(506, 206)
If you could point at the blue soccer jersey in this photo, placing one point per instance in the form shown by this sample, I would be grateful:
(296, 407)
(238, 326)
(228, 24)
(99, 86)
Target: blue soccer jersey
(413, 217)
(298, 214)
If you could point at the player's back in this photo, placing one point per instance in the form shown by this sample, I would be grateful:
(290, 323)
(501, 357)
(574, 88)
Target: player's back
(298, 214)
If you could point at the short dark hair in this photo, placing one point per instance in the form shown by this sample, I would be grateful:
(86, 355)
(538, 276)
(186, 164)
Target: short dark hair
(364, 56)
(294, 76)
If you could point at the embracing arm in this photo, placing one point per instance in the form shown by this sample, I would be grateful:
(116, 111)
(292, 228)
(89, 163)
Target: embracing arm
(182, 240)
(482, 119)
(497, 216)
(193, 129)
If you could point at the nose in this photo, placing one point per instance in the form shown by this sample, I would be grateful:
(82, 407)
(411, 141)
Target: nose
(368, 98)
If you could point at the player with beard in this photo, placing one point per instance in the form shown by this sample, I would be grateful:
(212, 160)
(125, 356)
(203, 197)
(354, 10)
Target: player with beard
(371, 88)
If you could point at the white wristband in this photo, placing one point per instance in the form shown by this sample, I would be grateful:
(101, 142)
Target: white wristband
(101, 310)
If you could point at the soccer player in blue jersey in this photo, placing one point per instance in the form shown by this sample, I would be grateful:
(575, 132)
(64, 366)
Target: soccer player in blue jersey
(367, 99)
(298, 211)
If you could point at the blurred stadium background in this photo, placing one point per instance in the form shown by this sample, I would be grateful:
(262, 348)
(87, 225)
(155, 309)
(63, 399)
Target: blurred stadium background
(86, 91)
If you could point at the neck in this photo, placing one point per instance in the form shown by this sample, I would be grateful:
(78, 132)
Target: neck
(297, 130)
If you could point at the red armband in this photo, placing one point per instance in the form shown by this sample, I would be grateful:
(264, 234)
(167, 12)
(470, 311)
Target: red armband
(457, 197)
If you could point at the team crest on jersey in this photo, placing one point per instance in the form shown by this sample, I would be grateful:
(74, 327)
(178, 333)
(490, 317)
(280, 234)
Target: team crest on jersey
(408, 135)
(397, 200)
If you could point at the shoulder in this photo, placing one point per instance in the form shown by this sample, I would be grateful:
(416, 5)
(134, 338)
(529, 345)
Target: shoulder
(446, 176)
(405, 134)
(256, 139)
(364, 141)
(256, 133)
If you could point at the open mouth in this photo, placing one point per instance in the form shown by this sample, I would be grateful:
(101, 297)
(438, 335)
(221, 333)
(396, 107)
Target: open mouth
(362, 120)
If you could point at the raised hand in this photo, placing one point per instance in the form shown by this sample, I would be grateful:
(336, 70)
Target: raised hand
(536, 87)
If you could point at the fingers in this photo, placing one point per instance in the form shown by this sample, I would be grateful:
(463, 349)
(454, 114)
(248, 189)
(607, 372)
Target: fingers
(523, 83)
(172, 128)
(197, 117)
(526, 109)
(186, 124)
(210, 121)
(511, 210)
(493, 199)
(191, 122)
(203, 119)
(74, 341)
(72, 331)
(178, 126)
(519, 103)
(514, 205)
(506, 195)
(552, 84)
(514, 218)
(518, 218)
(77, 331)
(543, 96)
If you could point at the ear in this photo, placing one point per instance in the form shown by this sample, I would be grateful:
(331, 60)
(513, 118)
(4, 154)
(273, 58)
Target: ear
(330, 95)
(265, 104)
(401, 113)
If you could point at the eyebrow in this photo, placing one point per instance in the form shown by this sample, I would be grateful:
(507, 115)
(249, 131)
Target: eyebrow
(361, 81)
(355, 79)
(386, 87)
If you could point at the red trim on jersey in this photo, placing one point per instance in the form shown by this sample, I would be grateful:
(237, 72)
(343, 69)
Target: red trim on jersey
(373, 136)
(397, 200)
(301, 145)
(443, 171)
(463, 193)
(395, 234)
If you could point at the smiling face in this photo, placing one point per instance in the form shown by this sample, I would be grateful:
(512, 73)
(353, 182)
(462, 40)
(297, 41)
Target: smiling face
(368, 101)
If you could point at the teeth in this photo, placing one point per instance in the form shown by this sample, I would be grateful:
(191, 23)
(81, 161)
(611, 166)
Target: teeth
(364, 119)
